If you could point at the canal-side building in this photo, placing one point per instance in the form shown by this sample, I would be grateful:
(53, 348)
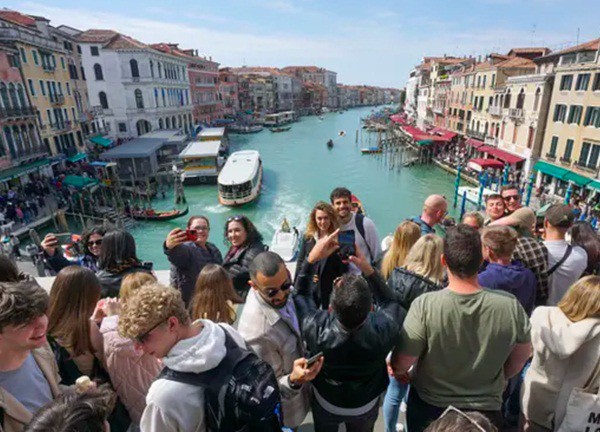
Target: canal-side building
(21, 147)
(317, 75)
(43, 64)
(571, 146)
(228, 92)
(135, 87)
(286, 88)
(204, 82)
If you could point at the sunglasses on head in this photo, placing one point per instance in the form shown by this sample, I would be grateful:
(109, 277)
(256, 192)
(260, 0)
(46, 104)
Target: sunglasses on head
(94, 243)
(144, 336)
(272, 292)
(235, 218)
(462, 414)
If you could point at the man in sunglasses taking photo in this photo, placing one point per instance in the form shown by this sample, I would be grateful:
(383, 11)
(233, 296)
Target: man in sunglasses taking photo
(270, 327)
(517, 216)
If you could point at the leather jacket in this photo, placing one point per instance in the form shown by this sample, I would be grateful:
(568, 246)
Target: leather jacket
(407, 286)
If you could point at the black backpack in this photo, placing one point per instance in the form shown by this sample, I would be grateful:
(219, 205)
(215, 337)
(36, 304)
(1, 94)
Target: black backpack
(241, 393)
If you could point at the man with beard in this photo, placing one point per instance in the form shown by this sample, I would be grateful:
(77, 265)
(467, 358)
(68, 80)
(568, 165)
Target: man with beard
(270, 327)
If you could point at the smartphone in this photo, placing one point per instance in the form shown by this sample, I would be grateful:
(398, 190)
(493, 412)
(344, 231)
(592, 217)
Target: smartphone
(346, 239)
(191, 235)
(311, 361)
(63, 238)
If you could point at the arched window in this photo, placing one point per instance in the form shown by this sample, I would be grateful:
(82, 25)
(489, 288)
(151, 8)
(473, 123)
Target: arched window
(163, 96)
(21, 95)
(103, 100)
(484, 79)
(507, 99)
(521, 99)
(536, 100)
(168, 123)
(13, 96)
(161, 124)
(98, 72)
(156, 97)
(159, 69)
(173, 122)
(151, 69)
(18, 140)
(135, 72)
(10, 142)
(139, 99)
(4, 96)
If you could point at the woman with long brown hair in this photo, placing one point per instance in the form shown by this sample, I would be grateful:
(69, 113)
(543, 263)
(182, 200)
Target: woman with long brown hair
(214, 296)
(74, 337)
(405, 236)
(322, 221)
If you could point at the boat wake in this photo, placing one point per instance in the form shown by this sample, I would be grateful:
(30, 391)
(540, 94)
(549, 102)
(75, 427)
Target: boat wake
(216, 209)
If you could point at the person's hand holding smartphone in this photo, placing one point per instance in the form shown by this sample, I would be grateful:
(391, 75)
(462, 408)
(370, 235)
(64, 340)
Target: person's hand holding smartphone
(347, 240)
(175, 238)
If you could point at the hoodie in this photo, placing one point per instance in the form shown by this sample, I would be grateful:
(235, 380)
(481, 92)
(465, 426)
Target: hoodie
(513, 278)
(565, 355)
(172, 406)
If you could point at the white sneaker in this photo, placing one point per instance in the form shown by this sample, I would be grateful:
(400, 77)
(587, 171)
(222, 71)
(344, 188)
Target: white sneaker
(399, 427)
(403, 406)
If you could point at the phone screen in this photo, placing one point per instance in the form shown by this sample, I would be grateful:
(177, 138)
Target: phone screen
(192, 235)
(346, 239)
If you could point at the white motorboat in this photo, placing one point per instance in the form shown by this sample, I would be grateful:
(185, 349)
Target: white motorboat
(240, 180)
(285, 242)
(473, 194)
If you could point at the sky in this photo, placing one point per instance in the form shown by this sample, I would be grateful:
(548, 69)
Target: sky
(366, 42)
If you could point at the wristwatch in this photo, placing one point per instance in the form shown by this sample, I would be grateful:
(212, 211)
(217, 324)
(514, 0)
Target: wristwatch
(292, 385)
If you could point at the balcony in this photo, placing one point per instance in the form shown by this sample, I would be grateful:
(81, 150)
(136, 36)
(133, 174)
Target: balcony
(476, 134)
(12, 34)
(550, 156)
(495, 111)
(516, 114)
(565, 161)
(61, 126)
(57, 99)
(48, 68)
(590, 168)
(13, 113)
(30, 153)
(491, 141)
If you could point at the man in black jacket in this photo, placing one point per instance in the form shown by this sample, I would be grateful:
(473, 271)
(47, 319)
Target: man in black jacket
(354, 340)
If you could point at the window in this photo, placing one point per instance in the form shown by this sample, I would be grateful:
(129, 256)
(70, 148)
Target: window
(568, 150)
(507, 100)
(521, 99)
(35, 57)
(103, 100)
(94, 51)
(560, 113)
(135, 72)
(536, 100)
(484, 80)
(151, 69)
(23, 55)
(493, 80)
(575, 114)
(122, 127)
(583, 81)
(553, 146)
(60, 88)
(593, 161)
(68, 86)
(585, 152)
(98, 72)
(139, 100)
(82, 73)
(566, 82)
(42, 88)
(13, 61)
(592, 117)
(596, 86)
(79, 49)
(31, 87)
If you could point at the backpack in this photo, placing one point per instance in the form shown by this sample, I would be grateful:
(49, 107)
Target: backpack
(359, 219)
(241, 393)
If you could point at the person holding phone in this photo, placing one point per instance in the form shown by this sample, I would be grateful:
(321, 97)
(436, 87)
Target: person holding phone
(189, 251)
(353, 339)
(92, 243)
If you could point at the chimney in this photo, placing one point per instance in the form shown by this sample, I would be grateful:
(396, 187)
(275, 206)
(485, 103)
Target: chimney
(189, 52)
(42, 25)
(173, 45)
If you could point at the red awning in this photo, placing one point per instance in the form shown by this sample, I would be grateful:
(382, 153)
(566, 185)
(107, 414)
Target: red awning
(474, 143)
(419, 135)
(481, 164)
(505, 156)
(397, 118)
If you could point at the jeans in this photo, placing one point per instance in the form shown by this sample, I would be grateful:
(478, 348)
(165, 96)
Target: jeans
(419, 414)
(328, 422)
(391, 404)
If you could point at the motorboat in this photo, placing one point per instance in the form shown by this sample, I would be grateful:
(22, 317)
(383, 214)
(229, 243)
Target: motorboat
(285, 241)
(473, 194)
(240, 180)
(330, 144)
(370, 150)
(280, 129)
(245, 129)
(156, 216)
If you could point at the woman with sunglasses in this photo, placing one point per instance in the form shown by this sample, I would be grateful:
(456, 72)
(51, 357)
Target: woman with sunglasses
(189, 251)
(92, 242)
(245, 243)
(322, 221)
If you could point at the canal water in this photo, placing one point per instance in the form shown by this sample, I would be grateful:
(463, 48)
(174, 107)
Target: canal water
(299, 170)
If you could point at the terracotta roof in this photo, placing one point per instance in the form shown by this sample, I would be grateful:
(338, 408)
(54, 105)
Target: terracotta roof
(97, 36)
(516, 62)
(592, 45)
(125, 42)
(529, 50)
(17, 18)
(500, 56)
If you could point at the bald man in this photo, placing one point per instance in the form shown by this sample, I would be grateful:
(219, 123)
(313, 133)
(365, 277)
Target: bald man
(435, 208)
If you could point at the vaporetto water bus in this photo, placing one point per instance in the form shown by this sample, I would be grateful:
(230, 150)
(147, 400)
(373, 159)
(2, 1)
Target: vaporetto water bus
(240, 179)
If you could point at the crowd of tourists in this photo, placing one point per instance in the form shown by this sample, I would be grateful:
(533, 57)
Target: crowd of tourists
(493, 326)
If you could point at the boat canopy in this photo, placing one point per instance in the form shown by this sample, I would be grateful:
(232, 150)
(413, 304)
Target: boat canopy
(240, 167)
(201, 149)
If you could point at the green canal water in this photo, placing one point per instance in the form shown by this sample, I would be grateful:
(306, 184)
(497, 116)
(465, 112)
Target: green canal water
(299, 170)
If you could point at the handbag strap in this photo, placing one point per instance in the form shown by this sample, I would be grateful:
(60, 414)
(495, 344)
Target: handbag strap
(562, 260)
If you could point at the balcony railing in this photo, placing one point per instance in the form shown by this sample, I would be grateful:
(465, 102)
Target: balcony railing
(11, 34)
(7, 113)
(491, 141)
(57, 99)
(476, 134)
(61, 126)
(495, 110)
(550, 156)
(515, 113)
(586, 167)
(48, 68)
(31, 153)
(565, 161)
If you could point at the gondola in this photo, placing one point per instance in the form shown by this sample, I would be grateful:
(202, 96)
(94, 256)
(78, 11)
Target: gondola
(280, 129)
(157, 216)
(330, 144)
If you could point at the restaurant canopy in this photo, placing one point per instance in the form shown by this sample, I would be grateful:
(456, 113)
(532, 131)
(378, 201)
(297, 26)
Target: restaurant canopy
(101, 141)
(79, 182)
(565, 174)
(420, 135)
(505, 156)
(397, 118)
(482, 164)
(474, 143)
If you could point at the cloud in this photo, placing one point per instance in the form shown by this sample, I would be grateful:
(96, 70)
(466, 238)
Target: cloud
(285, 6)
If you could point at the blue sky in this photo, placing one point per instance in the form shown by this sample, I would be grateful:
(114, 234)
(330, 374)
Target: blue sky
(365, 42)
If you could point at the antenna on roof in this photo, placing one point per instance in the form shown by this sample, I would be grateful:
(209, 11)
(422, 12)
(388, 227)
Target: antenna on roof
(532, 33)
(577, 36)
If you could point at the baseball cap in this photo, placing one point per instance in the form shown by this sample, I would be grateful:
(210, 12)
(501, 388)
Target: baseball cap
(560, 216)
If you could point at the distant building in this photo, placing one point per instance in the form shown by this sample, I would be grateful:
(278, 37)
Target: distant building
(228, 92)
(317, 75)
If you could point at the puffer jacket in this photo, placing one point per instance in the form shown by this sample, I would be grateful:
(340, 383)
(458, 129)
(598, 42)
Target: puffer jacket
(187, 261)
(111, 282)
(407, 286)
(131, 371)
(238, 263)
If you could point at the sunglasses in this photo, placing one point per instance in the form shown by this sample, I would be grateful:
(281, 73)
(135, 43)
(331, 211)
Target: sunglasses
(272, 292)
(94, 243)
(144, 336)
(235, 218)
(462, 414)
(511, 197)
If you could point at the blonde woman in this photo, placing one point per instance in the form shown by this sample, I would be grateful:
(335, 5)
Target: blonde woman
(323, 221)
(405, 236)
(566, 352)
(214, 296)
(131, 371)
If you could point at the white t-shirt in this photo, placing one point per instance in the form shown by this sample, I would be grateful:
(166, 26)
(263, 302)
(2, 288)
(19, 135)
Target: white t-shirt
(567, 273)
(371, 237)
